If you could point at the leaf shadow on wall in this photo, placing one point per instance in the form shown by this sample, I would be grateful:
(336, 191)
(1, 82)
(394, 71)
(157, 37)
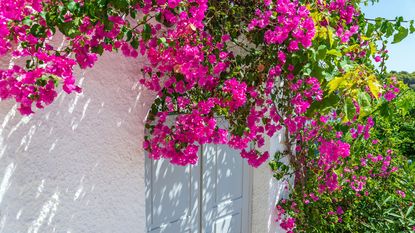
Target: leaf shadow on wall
(77, 165)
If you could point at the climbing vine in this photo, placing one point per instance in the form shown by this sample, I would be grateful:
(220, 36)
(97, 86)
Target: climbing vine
(314, 70)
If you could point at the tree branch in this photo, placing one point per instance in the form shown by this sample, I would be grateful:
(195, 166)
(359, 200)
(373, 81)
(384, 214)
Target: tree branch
(389, 20)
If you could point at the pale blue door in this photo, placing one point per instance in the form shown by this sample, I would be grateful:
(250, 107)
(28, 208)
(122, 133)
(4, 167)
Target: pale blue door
(210, 197)
(226, 191)
(172, 197)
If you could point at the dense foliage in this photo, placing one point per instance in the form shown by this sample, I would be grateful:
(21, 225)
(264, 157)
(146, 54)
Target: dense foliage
(406, 77)
(396, 124)
(377, 191)
(304, 68)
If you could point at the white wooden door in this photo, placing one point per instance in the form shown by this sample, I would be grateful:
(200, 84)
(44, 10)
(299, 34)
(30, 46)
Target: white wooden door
(210, 197)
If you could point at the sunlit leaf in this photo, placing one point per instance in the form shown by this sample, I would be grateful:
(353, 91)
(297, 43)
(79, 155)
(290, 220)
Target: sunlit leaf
(374, 86)
(335, 83)
(402, 34)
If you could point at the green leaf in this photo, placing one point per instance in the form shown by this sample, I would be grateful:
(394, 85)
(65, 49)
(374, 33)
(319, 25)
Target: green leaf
(322, 51)
(133, 14)
(412, 27)
(72, 6)
(37, 30)
(41, 81)
(98, 49)
(129, 35)
(368, 226)
(27, 21)
(410, 209)
(121, 4)
(69, 29)
(402, 34)
(394, 215)
(134, 43)
(364, 101)
(334, 52)
(163, 41)
(146, 32)
(326, 105)
(349, 110)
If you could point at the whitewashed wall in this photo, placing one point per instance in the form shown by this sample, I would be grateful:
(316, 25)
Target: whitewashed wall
(267, 192)
(78, 165)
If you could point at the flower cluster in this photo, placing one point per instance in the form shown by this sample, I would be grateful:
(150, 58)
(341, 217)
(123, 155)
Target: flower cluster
(391, 90)
(346, 26)
(47, 65)
(289, 22)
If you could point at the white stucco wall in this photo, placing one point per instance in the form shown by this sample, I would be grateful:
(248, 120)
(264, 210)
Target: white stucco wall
(267, 192)
(78, 165)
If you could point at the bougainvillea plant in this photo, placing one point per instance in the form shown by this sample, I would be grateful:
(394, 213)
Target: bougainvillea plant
(311, 69)
(364, 185)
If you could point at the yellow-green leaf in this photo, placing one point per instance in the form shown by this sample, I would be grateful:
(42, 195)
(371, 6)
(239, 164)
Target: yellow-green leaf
(334, 52)
(365, 38)
(352, 48)
(335, 83)
(374, 86)
(330, 34)
(373, 48)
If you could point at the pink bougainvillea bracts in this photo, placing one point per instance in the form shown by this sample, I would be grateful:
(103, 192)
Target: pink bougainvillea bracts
(225, 72)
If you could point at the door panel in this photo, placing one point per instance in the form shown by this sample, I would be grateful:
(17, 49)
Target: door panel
(172, 197)
(226, 191)
(228, 224)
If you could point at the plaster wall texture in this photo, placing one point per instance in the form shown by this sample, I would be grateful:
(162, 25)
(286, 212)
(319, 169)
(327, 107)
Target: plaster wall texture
(267, 191)
(78, 165)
